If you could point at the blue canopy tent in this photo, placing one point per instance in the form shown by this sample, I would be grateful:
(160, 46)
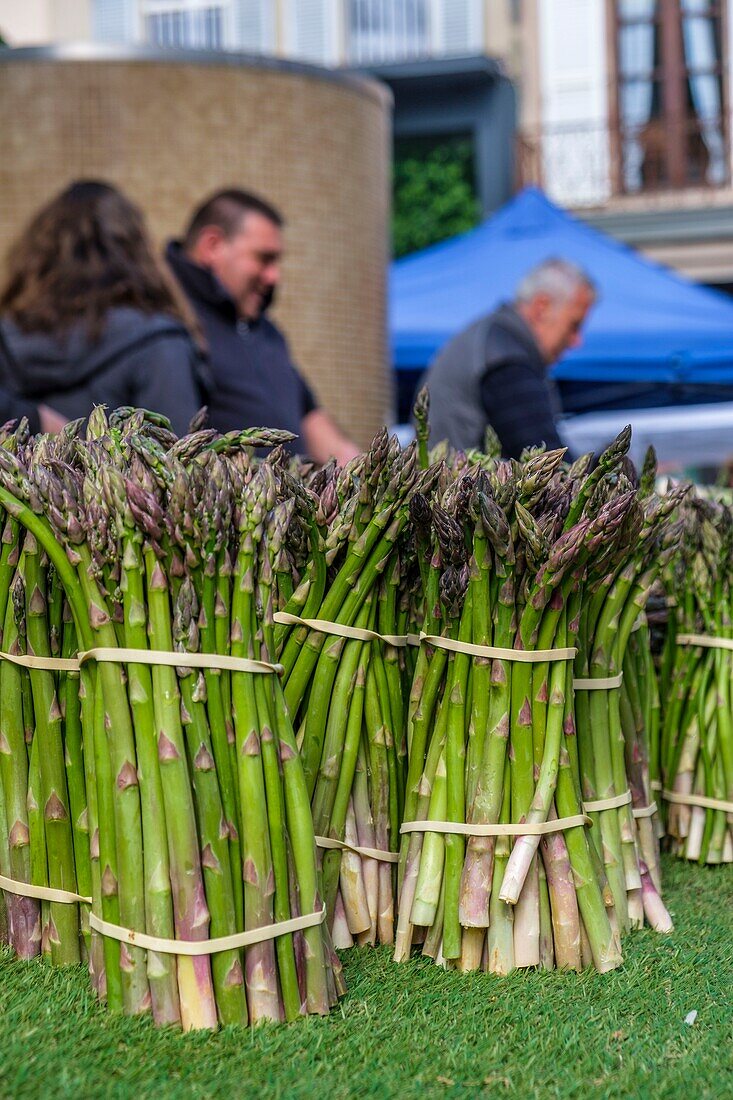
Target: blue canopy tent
(653, 338)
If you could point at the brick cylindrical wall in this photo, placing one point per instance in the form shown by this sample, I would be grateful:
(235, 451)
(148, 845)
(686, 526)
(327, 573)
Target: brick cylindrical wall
(169, 131)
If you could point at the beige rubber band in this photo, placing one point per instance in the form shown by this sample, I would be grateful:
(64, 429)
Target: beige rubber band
(614, 803)
(655, 785)
(178, 660)
(601, 683)
(154, 943)
(50, 664)
(370, 853)
(205, 947)
(646, 811)
(41, 893)
(706, 641)
(527, 829)
(341, 630)
(698, 800)
(523, 656)
(142, 657)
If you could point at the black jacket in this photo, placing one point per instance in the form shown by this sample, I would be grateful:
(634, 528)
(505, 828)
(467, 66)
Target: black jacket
(255, 382)
(149, 361)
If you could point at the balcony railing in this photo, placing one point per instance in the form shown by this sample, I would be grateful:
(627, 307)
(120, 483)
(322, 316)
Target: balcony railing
(585, 164)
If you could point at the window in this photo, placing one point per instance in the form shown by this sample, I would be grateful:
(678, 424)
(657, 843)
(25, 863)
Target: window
(672, 127)
(184, 25)
(112, 20)
(385, 31)
(311, 30)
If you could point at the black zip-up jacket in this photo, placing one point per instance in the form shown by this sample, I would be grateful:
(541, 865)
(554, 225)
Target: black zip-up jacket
(149, 361)
(255, 382)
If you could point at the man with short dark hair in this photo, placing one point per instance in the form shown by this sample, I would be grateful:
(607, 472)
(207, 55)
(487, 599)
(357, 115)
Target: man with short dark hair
(229, 267)
(495, 371)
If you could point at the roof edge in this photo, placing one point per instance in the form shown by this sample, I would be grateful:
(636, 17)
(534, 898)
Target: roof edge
(360, 82)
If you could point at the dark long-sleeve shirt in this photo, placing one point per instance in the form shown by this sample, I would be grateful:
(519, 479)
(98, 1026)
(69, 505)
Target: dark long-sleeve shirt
(519, 407)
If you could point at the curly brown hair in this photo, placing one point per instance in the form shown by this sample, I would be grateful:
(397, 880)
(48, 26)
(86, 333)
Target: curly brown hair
(84, 253)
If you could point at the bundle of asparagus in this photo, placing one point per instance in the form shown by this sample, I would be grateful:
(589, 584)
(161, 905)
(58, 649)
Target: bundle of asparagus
(611, 731)
(518, 554)
(196, 807)
(160, 774)
(43, 813)
(342, 638)
(696, 752)
(491, 738)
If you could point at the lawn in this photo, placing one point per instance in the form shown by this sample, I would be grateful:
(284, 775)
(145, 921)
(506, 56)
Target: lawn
(415, 1030)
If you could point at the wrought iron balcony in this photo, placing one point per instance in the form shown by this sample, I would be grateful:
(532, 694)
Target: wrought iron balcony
(586, 164)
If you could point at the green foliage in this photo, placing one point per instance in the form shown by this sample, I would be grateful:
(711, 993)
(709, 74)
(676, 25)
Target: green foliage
(434, 194)
(414, 1031)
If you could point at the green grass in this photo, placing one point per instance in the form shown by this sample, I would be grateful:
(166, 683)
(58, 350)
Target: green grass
(415, 1030)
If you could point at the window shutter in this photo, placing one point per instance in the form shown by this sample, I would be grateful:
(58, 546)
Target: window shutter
(113, 20)
(460, 28)
(254, 26)
(574, 111)
(312, 29)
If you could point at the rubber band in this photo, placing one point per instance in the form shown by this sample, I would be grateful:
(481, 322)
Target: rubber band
(705, 641)
(698, 800)
(614, 803)
(206, 947)
(370, 853)
(646, 811)
(523, 656)
(178, 660)
(221, 661)
(341, 630)
(655, 785)
(42, 893)
(49, 664)
(155, 943)
(600, 683)
(528, 828)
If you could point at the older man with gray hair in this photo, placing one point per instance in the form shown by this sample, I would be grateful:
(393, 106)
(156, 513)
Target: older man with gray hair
(495, 371)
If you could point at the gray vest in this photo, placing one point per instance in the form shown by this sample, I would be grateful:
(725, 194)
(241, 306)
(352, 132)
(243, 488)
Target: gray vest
(454, 376)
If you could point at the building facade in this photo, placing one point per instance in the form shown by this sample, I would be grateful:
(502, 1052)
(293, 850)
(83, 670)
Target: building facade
(439, 57)
(626, 118)
(623, 105)
(40, 22)
(446, 61)
(325, 32)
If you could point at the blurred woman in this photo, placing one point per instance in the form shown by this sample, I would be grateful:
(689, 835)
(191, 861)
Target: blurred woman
(89, 316)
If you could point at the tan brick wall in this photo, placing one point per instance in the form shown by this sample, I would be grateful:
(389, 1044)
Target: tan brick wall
(169, 132)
